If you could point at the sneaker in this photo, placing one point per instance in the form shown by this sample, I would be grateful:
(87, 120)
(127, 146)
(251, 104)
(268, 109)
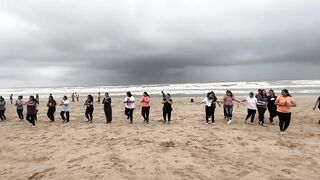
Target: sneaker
(281, 132)
(284, 132)
(229, 122)
(213, 124)
(207, 123)
(263, 125)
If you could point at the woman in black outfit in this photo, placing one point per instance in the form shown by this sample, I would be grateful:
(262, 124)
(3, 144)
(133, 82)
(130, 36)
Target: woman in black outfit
(89, 110)
(51, 108)
(107, 107)
(272, 108)
(167, 107)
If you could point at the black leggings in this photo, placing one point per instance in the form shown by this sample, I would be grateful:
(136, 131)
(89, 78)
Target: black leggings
(31, 118)
(251, 113)
(88, 114)
(129, 113)
(272, 112)
(50, 113)
(62, 116)
(145, 113)
(209, 113)
(165, 114)
(108, 113)
(261, 112)
(20, 113)
(284, 120)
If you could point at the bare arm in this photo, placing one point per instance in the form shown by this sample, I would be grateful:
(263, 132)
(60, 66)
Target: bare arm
(315, 105)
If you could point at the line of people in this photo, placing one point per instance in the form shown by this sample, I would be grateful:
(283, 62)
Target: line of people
(277, 106)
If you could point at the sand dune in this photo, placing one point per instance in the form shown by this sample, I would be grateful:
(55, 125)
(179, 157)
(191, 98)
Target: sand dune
(185, 149)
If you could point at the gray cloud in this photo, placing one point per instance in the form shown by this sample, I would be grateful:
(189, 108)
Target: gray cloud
(99, 42)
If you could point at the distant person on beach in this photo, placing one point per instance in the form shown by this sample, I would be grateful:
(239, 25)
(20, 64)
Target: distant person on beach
(167, 107)
(228, 99)
(252, 103)
(77, 96)
(65, 109)
(129, 106)
(272, 108)
(99, 98)
(11, 98)
(19, 104)
(37, 97)
(89, 109)
(72, 97)
(145, 110)
(317, 103)
(2, 109)
(262, 105)
(107, 107)
(31, 110)
(51, 108)
(284, 102)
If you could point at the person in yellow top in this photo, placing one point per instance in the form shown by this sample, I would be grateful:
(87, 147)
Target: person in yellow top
(284, 102)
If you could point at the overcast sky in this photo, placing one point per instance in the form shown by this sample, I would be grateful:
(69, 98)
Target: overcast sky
(114, 42)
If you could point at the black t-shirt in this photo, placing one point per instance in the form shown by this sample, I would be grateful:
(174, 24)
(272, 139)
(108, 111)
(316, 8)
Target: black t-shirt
(271, 100)
(107, 102)
(167, 106)
(89, 106)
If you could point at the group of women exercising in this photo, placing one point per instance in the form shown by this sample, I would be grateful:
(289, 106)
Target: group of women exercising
(277, 106)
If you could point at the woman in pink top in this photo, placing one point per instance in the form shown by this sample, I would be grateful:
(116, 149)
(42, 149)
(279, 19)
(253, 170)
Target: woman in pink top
(228, 105)
(284, 103)
(145, 102)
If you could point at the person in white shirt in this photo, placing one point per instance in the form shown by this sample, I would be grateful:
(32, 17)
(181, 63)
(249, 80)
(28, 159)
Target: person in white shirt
(129, 106)
(65, 109)
(210, 102)
(251, 106)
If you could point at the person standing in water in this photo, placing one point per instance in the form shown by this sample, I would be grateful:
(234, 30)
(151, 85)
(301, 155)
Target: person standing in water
(2, 109)
(107, 107)
(228, 99)
(51, 108)
(167, 107)
(317, 103)
(129, 106)
(262, 105)
(251, 107)
(284, 102)
(145, 110)
(19, 104)
(89, 109)
(272, 108)
(65, 109)
(31, 110)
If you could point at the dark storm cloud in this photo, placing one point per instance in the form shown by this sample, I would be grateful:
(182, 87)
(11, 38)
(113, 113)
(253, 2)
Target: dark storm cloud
(117, 42)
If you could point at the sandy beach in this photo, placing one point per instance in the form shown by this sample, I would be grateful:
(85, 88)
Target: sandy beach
(185, 149)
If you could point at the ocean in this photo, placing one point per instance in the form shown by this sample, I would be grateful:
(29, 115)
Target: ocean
(295, 87)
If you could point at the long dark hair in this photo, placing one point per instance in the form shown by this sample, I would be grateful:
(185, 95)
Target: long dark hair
(228, 91)
(270, 90)
(146, 94)
(263, 95)
(214, 97)
(129, 94)
(287, 92)
(90, 97)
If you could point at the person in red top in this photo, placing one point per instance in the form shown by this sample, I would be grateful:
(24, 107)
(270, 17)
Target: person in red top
(228, 99)
(284, 103)
(145, 103)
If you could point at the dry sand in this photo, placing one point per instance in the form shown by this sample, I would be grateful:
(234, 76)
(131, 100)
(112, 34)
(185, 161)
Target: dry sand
(185, 149)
